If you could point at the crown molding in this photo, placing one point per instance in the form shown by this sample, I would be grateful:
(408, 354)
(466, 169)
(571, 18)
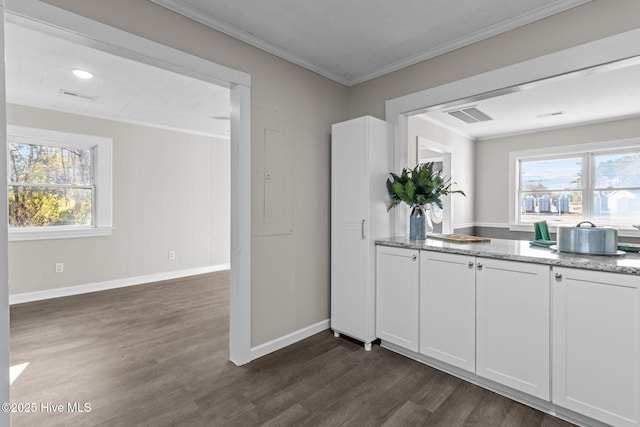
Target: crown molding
(182, 8)
(475, 37)
(202, 17)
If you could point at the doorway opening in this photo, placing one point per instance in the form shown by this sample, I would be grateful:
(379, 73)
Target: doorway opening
(440, 155)
(70, 27)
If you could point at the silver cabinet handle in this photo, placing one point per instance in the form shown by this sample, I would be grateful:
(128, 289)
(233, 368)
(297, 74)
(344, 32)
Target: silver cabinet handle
(479, 266)
(363, 235)
(470, 264)
(558, 276)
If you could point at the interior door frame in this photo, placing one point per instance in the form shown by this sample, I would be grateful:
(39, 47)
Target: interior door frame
(501, 80)
(5, 416)
(70, 26)
(445, 154)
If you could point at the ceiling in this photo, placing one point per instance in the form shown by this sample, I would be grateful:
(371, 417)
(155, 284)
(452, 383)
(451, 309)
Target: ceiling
(39, 74)
(39, 68)
(357, 40)
(598, 94)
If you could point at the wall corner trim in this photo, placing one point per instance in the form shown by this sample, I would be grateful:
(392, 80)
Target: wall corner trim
(286, 340)
(112, 284)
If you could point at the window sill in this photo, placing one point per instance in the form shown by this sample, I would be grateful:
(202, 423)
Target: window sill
(57, 233)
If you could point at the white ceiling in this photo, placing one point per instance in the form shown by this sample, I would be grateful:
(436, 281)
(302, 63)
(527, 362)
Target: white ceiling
(357, 40)
(38, 69)
(603, 93)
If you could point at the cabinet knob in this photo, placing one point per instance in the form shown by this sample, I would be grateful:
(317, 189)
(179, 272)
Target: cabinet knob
(415, 257)
(558, 276)
(479, 266)
(470, 264)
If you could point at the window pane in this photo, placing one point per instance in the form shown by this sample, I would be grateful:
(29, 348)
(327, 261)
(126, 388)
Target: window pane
(44, 164)
(621, 208)
(40, 206)
(556, 174)
(554, 207)
(617, 170)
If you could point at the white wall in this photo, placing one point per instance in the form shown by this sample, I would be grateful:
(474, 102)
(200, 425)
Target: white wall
(492, 160)
(462, 165)
(290, 273)
(170, 192)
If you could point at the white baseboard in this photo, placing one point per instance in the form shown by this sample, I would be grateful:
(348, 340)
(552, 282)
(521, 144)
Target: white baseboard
(112, 284)
(459, 226)
(492, 224)
(278, 343)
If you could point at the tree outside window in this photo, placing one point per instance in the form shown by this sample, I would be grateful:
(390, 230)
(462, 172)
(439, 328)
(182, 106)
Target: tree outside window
(59, 184)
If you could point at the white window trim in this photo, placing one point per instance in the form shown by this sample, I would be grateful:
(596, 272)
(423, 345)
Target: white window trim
(103, 222)
(566, 150)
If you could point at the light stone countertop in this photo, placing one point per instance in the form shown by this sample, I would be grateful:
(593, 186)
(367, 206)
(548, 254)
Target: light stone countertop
(519, 250)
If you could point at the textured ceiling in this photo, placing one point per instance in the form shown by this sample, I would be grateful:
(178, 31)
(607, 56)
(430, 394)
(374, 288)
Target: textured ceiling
(39, 68)
(357, 40)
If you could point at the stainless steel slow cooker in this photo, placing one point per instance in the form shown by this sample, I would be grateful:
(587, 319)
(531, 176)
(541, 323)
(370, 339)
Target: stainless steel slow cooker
(588, 240)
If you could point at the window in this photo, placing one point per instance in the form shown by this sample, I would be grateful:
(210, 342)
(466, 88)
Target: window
(551, 190)
(59, 184)
(596, 184)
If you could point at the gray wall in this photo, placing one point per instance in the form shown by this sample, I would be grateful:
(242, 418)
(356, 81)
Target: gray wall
(290, 288)
(167, 188)
(495, 152)
(495, 180)
(290, 285)
(588, 22)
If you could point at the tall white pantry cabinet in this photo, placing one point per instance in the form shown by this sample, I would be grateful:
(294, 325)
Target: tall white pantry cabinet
(361, 153)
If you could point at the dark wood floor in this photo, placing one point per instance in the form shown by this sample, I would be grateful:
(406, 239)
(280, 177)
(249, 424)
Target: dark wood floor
(156, 355)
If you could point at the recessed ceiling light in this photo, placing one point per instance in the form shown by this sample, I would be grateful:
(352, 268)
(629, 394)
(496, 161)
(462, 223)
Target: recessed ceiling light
(82, 74)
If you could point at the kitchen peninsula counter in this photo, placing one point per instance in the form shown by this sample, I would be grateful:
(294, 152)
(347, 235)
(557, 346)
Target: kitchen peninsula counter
(520, 250)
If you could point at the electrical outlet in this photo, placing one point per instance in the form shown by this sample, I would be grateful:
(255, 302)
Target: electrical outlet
(59, 267)
(172, 255)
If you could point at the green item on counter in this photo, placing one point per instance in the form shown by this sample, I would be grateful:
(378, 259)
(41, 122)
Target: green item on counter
(542, 243)
(541, 231)
(629, 247)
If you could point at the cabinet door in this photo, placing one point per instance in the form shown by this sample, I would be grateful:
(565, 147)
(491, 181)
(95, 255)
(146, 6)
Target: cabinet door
(352, 283)
(397, 272)
(596, 348)
(447, 308)
(349, 281)
(513, 312)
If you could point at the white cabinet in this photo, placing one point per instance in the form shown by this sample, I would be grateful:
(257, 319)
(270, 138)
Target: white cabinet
(360, 153)
(596, 344)
(397, 296)
(512, 346)
(487, 316)
(447, 308)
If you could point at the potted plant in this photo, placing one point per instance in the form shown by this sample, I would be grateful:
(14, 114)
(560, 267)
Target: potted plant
(419, 187)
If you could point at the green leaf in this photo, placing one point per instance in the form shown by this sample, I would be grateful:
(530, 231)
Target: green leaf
(419, 186)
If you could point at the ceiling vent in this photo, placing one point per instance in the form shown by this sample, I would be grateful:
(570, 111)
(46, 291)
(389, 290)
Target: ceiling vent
(469, 115)
(78, 95)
